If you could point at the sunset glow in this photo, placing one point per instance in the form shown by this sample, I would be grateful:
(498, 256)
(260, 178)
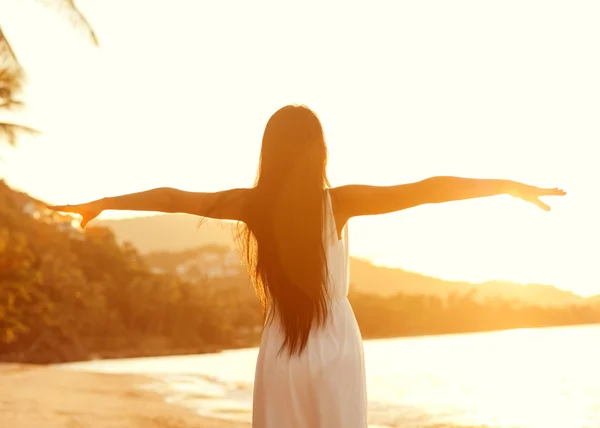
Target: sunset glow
(178, 94)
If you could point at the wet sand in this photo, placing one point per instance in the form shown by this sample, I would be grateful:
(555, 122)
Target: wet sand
(46, 397)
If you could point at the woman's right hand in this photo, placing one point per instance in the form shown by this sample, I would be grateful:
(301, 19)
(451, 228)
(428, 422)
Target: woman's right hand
(87, 211)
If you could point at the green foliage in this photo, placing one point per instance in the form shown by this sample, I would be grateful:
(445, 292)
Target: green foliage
(69, 295)
(20, 294)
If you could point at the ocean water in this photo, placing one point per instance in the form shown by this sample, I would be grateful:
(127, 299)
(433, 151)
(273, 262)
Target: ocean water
(530, 378)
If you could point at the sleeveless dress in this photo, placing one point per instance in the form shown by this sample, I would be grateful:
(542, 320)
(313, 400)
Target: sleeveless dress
(325, 386)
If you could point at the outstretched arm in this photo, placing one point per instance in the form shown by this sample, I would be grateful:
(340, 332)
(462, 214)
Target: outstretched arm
(358, 200)
(224, 205)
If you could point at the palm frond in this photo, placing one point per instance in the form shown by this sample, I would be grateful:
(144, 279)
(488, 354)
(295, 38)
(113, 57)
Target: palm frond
(11, 84)
(12, 74)
(69, 9)
(10, 132)
(8, 59)
(11, 104)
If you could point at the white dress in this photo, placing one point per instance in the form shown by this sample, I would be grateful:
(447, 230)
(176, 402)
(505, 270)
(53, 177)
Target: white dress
(325, 386)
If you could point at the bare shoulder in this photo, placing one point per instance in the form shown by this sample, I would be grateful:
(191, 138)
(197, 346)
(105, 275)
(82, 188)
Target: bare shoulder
(230, 204)
(360, 199)
(346, 200)
(340, 197)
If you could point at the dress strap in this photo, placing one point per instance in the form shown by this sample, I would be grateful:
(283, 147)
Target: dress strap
(330, 223)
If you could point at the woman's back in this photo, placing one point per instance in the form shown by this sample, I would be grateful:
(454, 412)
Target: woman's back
(323, 386)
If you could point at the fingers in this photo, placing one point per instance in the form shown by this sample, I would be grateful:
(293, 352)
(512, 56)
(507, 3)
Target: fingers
(540, 204)
(65, 208)
(553, 192)
(76, 209)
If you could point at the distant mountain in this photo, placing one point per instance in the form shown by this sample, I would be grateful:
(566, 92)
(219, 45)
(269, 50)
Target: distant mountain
(170, 232)
(175, 233)
(595, 299)
(367, 277)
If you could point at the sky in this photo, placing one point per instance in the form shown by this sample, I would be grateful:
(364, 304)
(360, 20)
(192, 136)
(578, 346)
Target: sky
(179, 91)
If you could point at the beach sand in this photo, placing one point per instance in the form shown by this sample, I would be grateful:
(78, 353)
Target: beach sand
(46, 397)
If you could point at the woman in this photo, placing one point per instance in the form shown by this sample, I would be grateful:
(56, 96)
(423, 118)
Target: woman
(310, 370)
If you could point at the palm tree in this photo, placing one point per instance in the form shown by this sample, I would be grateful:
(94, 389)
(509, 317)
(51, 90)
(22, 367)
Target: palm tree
(12, 74)
(11, 83)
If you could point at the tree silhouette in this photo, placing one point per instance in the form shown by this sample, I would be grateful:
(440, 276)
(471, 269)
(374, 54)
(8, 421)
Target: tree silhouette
(12, 74)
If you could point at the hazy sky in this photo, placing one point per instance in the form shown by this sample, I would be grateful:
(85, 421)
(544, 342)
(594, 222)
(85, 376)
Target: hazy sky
(179, 92)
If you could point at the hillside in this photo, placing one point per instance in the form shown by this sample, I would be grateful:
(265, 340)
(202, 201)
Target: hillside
(175, 233)
(388, 281)
(68, 294)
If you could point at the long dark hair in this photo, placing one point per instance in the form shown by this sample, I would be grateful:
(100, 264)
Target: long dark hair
(282, 233)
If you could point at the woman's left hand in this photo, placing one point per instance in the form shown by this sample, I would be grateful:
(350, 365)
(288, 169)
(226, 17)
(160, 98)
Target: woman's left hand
(532, 194)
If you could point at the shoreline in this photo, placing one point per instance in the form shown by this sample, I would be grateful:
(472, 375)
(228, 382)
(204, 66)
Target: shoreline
(48, 397)
(130, 355)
